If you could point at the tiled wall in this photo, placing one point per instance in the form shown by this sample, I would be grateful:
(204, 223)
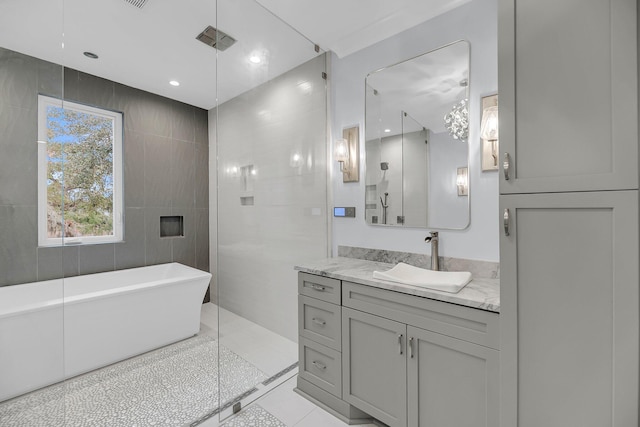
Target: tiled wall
(165, 173)
(279, 129)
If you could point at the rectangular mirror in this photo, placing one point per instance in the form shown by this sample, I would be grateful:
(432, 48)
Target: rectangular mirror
(416, 130)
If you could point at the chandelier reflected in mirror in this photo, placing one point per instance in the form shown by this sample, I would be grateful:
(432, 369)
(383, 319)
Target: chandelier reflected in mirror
(457, 120)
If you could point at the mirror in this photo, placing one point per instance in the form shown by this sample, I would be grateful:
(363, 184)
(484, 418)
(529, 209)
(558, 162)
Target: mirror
(416, 149)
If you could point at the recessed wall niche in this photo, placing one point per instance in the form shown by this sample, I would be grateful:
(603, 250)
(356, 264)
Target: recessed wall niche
(171, 226)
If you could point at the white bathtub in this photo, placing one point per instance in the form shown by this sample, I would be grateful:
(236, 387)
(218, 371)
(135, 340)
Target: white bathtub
(100, 318)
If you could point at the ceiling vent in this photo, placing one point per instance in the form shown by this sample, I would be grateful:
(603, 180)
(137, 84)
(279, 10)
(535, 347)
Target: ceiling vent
(216, 38)
(137, 3)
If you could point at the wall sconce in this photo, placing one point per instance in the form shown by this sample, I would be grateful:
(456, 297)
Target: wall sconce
(462, 181)
(345, 151)
(489, 133)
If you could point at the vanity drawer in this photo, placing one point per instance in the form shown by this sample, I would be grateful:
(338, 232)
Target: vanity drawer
(321, 366)
(465, 323)
(319, 287)
(319, 321)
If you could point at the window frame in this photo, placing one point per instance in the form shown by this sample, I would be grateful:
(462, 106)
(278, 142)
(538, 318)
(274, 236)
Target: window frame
(118, 185)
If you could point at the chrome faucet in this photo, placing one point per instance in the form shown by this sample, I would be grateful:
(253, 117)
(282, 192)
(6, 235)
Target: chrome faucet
(433, 238)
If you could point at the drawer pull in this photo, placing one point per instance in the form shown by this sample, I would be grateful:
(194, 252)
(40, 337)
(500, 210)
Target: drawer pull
(319, 365)
(319, 322)
(317, 287)
(400, 343)
(411, 347)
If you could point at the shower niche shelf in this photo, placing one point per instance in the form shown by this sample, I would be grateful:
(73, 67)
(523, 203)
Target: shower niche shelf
(171, 226)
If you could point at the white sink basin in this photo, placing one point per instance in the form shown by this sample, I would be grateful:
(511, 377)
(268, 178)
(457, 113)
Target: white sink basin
(447, 281)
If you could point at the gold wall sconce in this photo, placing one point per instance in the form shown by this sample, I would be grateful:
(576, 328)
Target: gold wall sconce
(489, 133)
(462, 181)
(346, 152)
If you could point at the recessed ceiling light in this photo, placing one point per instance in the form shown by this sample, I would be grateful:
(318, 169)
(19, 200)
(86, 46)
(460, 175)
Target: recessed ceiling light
(91, 55)
(387, 130)
(174, 83)
(255, 59)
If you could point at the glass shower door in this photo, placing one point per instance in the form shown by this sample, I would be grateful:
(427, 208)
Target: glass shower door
(31, 275)
(270, 128)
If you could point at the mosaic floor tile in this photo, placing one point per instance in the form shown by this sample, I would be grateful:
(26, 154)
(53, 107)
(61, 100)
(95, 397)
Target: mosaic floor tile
(171, 386)
(254, 416)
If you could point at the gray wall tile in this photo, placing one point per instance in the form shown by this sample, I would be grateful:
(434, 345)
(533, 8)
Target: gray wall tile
(202, 176)
(157, 171)
(57, 262)
(50, 79)
(144, 112)
(183, 122)
(184, 248)
(183, 174)
(131, 252)
(157, 249)
(133, 168)
(19, 159)
(202, 239)
(95, 91)
(19, 237)
(201, 126)
(18, 79)
(96, 258)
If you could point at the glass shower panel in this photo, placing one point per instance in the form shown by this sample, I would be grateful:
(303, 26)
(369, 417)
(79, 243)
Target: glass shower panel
(271, 194)
(415, 172)
(31, 275)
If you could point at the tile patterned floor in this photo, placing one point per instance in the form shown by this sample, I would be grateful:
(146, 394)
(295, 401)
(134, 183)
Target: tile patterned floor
(291, 409)
(254, 416)
(170, 386)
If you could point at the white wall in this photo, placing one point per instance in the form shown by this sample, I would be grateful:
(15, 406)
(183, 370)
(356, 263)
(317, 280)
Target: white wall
(476, 22)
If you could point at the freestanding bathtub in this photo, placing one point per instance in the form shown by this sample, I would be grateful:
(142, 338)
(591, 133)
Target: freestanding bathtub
(57, 329)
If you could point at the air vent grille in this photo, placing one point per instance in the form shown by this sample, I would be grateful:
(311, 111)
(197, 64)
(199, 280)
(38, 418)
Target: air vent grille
(137, 3)
(215, 38)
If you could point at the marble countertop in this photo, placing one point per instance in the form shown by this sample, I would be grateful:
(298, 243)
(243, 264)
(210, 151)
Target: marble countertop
(480, 293)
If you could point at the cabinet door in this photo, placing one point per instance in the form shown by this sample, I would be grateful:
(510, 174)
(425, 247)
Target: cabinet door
(569, 312)
(568, 95)
(374, 366)
(451, 382)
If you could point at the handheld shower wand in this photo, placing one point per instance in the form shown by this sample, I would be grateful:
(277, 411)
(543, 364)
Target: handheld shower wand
(384, 208)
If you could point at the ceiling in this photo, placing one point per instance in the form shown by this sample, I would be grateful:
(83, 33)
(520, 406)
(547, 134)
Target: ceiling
(149, 46)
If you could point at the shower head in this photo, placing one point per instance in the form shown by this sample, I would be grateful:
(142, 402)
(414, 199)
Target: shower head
(384, 166)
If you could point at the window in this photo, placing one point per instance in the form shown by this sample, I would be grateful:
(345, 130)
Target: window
(79, 173)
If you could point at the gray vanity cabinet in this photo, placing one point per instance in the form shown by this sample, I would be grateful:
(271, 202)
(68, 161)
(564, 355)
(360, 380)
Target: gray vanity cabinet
(375, 366)
(569, 310)
(451, 382)
(406, 360)
(568, 88)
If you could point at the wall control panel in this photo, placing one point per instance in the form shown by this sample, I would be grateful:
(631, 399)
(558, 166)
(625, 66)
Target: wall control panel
(349, 212)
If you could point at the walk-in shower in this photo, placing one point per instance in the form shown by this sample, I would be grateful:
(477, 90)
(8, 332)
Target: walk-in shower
(180, 155)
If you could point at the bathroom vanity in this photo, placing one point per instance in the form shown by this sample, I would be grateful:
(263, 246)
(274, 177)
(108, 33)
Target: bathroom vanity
(405, 355)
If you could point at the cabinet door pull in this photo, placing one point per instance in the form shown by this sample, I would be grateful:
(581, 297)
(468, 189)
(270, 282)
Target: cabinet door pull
(317, 287)
(400, 343)
(319, 365)
(505, 217)
(318, 321)
(411, 347)
(505, 166)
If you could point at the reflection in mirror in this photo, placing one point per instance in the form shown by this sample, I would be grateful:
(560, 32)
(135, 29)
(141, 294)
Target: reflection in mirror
(416, 129)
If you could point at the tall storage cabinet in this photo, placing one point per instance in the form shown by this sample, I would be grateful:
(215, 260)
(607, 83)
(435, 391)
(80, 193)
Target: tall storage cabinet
(569, 209)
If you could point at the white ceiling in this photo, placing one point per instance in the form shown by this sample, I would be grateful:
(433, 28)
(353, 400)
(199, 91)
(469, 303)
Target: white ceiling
(148, 47)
